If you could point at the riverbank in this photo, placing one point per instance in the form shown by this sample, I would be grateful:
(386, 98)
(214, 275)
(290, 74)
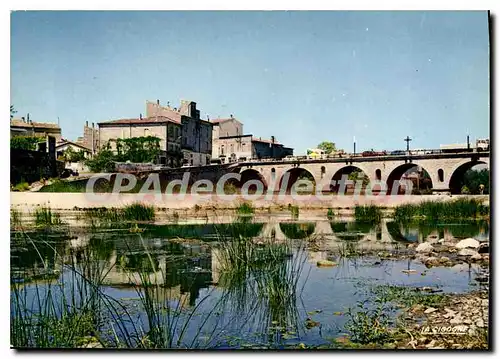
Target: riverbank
(27, 201)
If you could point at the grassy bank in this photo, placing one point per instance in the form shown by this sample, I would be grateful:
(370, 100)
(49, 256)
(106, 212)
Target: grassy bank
(462, 208)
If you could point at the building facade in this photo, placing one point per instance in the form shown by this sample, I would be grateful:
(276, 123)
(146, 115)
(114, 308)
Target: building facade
(231, 145)
(166, 129)
(196, 135)
(26, 127)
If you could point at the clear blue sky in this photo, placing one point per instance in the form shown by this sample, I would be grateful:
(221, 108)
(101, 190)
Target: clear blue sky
(303, 77)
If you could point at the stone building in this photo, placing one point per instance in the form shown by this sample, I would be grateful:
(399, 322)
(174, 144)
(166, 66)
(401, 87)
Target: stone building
(65, 145)
(90, 137)
(196, 145)
(26, 127)
(231, 145)
(168, 130)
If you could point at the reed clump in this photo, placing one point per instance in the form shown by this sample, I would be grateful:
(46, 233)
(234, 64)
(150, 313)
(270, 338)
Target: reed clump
(460, 209)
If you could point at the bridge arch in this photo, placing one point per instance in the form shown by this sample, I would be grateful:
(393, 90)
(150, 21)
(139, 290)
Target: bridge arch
(408, 169)
(292, 175)
(458, 174)
(348, 170)
(249, 174)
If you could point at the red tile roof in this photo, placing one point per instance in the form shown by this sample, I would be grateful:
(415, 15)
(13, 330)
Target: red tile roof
(135, 121)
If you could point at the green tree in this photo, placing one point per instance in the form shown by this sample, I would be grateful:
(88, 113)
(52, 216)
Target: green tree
(136, 150)
(104, 161)
(12, 111)
(24, 142)
(359, 175)
(473, 179)
(326, 146)
(71, 155)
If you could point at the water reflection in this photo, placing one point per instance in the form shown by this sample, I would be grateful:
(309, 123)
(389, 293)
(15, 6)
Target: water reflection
(260, 276)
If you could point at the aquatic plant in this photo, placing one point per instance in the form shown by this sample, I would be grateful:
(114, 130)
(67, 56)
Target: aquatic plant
(294, 210)
(297, 230)
(45, 217)
(138, 212)
(462, 208)
(15, 217)
(368, 324)
(369, 213)
(245, 208)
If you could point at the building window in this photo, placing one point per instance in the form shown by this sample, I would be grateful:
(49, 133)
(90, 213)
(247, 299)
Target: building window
(222, 149)
(323, 170)
(378, 174)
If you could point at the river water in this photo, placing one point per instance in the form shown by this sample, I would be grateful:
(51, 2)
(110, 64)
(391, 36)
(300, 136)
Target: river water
(280, 299)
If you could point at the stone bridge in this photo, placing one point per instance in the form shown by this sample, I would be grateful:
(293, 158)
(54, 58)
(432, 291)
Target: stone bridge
(445, 170)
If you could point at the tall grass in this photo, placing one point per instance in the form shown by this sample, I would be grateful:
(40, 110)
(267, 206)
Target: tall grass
(45, 217)
(132, 212)
(462, 208)
(139, 212)
(245, 208)
(369, 213)
(261, 280)
(294, 210)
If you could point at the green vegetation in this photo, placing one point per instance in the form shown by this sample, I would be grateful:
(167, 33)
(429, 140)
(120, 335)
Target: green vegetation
(475, 180)
(71, 155)
(297, 230)
(330, 214)
(103, 161)
(368, 325)
(131, 212)
(462, 208)
(326, 146)
(294, 210)
(12, 111)
(25, 142)
(21, 187)
(245, 208)
(139, 212)
(407, 297)
(45, 217)
(135, 149)
(370, 214)
(357, 176)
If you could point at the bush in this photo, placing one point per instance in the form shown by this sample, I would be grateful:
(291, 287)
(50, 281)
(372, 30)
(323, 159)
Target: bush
(21, 187)
(24, 142)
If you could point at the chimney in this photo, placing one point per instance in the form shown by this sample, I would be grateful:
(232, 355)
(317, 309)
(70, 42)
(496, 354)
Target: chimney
(28, 117)
(86, 123)
(158, 102)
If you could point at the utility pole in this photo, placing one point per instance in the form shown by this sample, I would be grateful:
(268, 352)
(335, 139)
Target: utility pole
(407, 139)
(354, 143)
(468, 143)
